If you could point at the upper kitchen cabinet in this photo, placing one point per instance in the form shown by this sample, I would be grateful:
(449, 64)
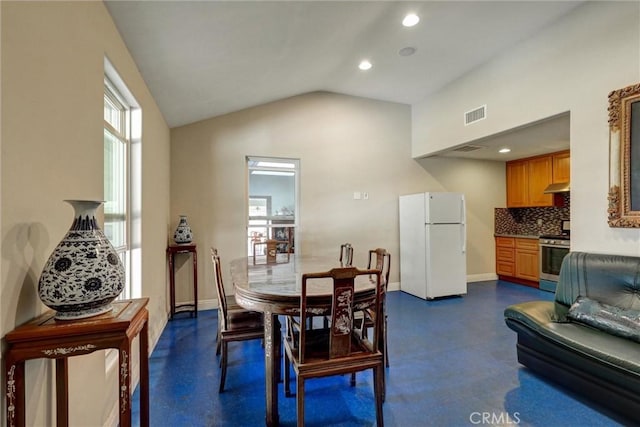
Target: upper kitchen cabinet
(517, 184)
(527, 179)
(561, 168)
(540, 176)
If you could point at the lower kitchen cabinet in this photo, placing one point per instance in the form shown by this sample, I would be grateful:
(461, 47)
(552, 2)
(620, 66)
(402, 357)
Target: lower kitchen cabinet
(505, 256)
(517, 259)
(527, 264)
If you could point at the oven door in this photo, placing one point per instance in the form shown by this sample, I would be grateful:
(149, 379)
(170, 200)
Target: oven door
(551, 257)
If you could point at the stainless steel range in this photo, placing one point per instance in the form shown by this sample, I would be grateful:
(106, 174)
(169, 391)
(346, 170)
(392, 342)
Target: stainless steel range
(553, 249)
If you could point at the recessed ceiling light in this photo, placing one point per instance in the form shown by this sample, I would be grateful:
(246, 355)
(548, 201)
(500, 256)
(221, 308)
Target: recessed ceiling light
(504, 150)
(407, 51)
(365, 65)
(410, 20)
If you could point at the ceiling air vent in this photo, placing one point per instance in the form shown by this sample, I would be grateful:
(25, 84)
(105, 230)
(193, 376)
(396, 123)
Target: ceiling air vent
(467, 148)
(475, 115)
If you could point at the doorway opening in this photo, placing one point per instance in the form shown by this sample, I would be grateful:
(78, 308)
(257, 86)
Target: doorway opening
(272, 204)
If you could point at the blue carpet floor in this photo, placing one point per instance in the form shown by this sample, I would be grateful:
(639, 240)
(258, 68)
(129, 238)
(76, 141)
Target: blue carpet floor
(453, 363)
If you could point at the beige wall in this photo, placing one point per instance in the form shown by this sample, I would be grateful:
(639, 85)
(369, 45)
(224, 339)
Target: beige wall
(344, 144)
(483, 184)
(52, 149)
(571, 66)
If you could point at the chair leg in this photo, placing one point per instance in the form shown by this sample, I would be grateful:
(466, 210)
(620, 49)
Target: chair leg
(353, 379)
(287, 376)
(218, 337)
(385, 360)
(378, 375)
(300, 400)
(278, 350)
(386, 352)
(223, 364)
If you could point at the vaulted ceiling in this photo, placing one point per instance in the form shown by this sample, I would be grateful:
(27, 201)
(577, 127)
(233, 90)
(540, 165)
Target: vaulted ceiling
(202, 59)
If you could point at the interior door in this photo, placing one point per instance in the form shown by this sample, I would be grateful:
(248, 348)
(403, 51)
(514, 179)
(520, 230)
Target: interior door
(272, 203)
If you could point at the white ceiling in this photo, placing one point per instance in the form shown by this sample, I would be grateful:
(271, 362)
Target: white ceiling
(202, 59)
(546, 136)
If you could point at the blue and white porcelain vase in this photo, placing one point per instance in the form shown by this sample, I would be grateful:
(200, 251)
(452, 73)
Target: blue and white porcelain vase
(84, 273)
(183, 234)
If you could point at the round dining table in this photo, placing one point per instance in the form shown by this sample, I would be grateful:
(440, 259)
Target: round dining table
(274, 289)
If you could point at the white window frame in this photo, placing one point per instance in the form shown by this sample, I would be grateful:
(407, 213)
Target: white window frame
(121, 218)
(130, 253)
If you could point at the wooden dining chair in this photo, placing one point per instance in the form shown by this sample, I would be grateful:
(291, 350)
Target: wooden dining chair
(346, 260)
(379, 259)
(346, 254)
(339, 349)
(234, 322)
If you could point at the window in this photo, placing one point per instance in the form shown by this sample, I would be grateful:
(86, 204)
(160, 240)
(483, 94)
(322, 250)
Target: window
(116, 176)
(122, 171)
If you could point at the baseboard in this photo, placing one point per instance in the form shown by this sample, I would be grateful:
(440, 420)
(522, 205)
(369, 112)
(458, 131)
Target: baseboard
(484, 277)
(208, 304)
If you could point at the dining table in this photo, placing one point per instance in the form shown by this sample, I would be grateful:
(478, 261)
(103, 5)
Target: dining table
(274, 289)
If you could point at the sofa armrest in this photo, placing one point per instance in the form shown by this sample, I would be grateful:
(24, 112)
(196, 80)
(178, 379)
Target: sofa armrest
(532, 313)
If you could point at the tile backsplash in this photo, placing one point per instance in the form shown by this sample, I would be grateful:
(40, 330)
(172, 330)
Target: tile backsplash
(525, 220)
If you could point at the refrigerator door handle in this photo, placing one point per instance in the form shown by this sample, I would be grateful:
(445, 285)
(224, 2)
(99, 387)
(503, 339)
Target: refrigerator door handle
(463, 228)
(463, 231)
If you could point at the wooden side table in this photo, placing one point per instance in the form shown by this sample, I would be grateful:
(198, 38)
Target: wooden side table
(45, 337)
(172, 250)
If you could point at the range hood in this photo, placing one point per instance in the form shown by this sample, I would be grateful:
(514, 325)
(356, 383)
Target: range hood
(562, 187)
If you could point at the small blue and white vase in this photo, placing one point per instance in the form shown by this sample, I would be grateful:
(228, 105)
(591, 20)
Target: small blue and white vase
(84, 273)
(183, 234)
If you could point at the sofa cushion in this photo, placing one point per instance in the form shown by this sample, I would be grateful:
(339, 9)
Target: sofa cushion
(611, 319)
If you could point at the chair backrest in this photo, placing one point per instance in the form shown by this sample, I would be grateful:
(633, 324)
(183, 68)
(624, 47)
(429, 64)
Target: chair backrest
(346, 254)
(217, 274)
(342, 309)
(380, 259)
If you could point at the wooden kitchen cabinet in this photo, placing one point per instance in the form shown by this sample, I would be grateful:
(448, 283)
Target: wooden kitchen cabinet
(527, 264)
(528, 178)
(517, 260)
(517, 184)
(505, 256)
(561, 167)
(540, 176)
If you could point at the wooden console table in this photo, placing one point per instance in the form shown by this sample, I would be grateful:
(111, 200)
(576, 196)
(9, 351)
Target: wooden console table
(172, 250)
(45, 337)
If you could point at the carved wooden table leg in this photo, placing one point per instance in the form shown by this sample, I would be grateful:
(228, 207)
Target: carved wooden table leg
(144, 375)
(62, 392)
(14, 377)
(125, 382)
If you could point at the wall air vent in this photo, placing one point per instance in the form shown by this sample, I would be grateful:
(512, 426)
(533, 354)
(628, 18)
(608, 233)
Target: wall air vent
(467, 148)
(475, 115)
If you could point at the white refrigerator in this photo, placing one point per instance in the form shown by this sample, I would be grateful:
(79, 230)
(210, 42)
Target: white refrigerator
(433, 260)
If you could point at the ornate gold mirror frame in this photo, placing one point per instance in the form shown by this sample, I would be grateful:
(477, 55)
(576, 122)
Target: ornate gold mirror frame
(624, 157)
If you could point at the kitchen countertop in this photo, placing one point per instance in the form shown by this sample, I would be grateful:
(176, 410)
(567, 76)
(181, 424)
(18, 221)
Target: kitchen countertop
(519, 236)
